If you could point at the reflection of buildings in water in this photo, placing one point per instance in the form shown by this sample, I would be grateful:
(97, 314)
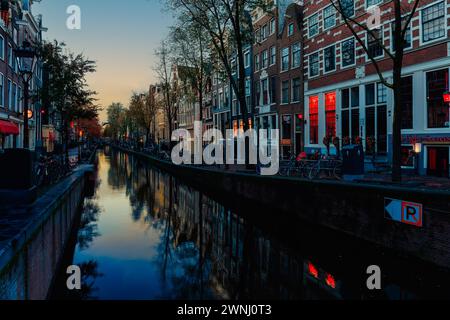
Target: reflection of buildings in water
(236, 258)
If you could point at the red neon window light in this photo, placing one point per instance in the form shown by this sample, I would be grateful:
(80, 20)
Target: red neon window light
(313, 270)
(330, 281)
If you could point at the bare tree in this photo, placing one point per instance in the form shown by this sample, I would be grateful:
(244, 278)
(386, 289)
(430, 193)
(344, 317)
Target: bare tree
(143, 111)
(189, 43)
(169, 93)
(229, 26)
(402, 14)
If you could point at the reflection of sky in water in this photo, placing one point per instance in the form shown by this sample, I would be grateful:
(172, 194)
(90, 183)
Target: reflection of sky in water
(126, 251)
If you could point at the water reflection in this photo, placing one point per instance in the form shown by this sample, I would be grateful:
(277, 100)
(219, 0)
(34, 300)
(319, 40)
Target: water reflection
(145, 235)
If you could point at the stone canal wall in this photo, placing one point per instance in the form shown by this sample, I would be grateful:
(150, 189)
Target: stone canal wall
(357, 209)
(29, 261)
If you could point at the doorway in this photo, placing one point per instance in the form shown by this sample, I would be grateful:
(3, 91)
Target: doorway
(438, 161)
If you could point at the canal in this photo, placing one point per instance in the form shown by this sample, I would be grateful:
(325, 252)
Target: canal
(147, 235)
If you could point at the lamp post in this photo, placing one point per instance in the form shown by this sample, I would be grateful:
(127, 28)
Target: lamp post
(26, 61)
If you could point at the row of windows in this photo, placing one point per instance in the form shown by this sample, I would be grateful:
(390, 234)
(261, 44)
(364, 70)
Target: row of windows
(266, 91)
(375, 115)
(348, 52)
(290, 58)
(433, 20)
(15, 95)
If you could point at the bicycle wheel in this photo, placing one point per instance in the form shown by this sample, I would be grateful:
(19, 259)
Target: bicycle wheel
(313, 172)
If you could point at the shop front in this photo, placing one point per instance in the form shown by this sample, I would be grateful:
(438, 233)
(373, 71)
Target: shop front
(432, 154)
(7, 129)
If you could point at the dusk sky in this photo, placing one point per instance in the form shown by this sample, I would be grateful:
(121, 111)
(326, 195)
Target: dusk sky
(121, 36)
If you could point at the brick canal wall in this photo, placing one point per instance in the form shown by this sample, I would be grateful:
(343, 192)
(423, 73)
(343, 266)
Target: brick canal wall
(30, 261)
(357, 209)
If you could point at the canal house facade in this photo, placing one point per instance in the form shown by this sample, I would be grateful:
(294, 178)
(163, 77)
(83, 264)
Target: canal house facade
(344, 97)
(18, 24)
(278, 74)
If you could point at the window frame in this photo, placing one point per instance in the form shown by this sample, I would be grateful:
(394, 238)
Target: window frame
(342, 56)
(315, 15)
(421, 23)
(310, 76)
(333, 15)
(324, 59)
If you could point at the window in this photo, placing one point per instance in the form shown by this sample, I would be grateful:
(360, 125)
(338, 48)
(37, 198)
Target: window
(14, 98)
(350, 114)
(374, 42)
(407, 157)
(285, 92)
(9, 93)
(314, 120)
(329, 17)
(348, 52)
(314, 64)
(433, 22)
(19, 99)
(296, 55)
(286, 127)
(265, 91)
(313, 25)
(382, 93)
(273, 90)
(437, 109)
(273, 56)
(290, 29)
(407, 102)
(372, 2)
(296, 89)
(348, 8)
(258, 36)
(257, 94)
(272, 26)
(233, 66)
(247, 59)
(265, 32)
(256, 63)
(376, 118)
(10, 56)
(285, 59)
(329, 55)
(407, 43)
(2, 90)
(2, 48)
(265, 59)
(330, 114)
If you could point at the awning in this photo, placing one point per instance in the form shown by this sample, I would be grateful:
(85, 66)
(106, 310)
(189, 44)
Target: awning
(7, 127)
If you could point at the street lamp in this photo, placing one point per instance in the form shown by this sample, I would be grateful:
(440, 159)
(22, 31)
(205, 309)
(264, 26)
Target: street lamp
(26, 62)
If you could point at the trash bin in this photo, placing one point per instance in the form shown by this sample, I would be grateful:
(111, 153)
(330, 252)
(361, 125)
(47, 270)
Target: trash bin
(353, 162)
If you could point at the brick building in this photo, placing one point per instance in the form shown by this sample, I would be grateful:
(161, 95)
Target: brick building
(18, 24)
(343, 93)
(278, 73)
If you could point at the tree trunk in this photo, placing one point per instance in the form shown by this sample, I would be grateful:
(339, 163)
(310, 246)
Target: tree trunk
(397, 128)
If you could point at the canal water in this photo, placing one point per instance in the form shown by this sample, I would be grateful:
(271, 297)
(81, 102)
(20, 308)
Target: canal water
(146, 235)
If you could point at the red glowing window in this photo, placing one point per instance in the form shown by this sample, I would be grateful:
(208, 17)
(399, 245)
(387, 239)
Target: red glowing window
(330, 114)
(313, 270)
(314, 120)
(330, 281)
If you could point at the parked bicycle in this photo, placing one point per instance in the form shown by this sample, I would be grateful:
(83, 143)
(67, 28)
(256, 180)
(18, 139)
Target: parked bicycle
(313, 167)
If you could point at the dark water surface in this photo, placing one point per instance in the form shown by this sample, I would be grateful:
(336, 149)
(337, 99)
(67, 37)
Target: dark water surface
(146, 235)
